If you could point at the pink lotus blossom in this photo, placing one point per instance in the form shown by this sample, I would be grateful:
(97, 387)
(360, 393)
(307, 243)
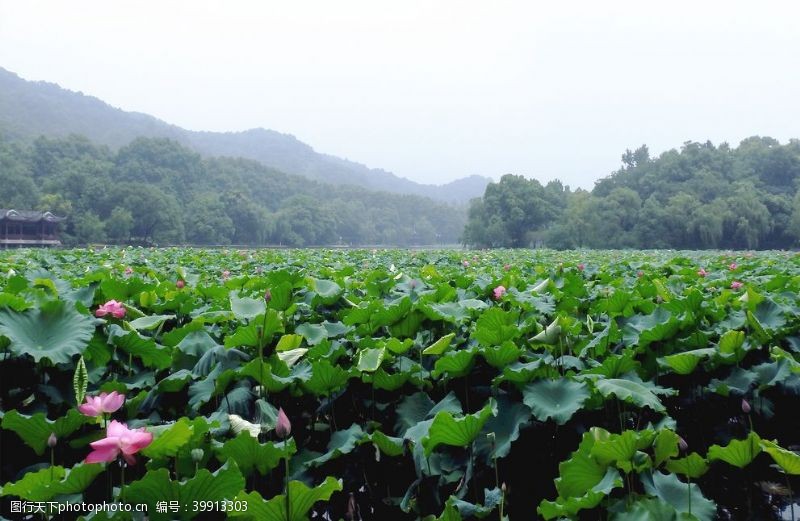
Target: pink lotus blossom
(104, 403)
(702, 272)
(736, 285)
(732, 266)
(180, 284)
(581, 267)
(499, 291)
(226, 275)
(682, 444)
(119, 439)
(113, 308)
(128, 270)
(283, 427)
(746, 406)
(465, 263)
(507, 267)
(639, 274)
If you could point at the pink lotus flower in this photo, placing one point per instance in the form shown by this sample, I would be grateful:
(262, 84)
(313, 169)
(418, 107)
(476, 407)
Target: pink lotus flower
(746, 406)
(507, 267)
(499, 291)
(104, 403)
(732, 266)
(736, 285)
(581, 267)
(682, 444)
(113, 308)
(119, 439)
(283, 428)
(226, 275)
(128, 270)
(465, 263)
(702, 272)
(639, 274)
(180, 284)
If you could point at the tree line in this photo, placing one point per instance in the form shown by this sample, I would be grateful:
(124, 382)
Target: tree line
(698, 197)
(156, 191)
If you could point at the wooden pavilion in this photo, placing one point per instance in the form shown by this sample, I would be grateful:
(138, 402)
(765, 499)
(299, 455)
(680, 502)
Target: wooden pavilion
(28, 228)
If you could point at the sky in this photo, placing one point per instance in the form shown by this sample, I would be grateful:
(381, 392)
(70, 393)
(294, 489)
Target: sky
(432, 90)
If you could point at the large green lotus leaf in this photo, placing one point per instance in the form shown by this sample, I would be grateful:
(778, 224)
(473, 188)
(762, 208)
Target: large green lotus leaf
(629, 391)
(341, 442)
(440, 346)
(505, 427)
(142, 347)
(571, 505)
(326, 378)
(581, 472)
(247, 308)
(328, 291)
(683, 498)
(369, 360)
(556, 399)
(301, 500)
(407, 326)
(149, 321)
(501, 356)
(387, 381)
(686, 362)
(614, 448)
(249, 454)
(647, 509)
(495, 326)
(258, 329)
(491, 500)
(289, 342)
(168, 439)
(34, 430)
(418, 407)
(313, 333)
(692, 466)
(447, 311)
(455, 363)
(643, 330)
(665, 446)
(262, 373)
(730, 345)
(50, 482)
(55, 331)
(389, 445)
(457, 432)
(769, 315)
(787, 460)
(738, 453)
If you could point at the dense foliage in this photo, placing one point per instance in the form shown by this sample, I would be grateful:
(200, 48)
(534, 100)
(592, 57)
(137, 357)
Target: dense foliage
(155, 190)
(32, 109)
(403, 385)
(701, 196)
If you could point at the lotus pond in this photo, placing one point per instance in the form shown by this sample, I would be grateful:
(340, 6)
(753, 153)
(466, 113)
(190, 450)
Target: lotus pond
(359, 385)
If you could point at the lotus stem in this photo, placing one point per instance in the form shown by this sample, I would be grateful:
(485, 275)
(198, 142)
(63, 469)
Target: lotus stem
(286, 484)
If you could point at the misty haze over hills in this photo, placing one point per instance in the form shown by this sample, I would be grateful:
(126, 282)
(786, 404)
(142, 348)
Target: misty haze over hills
(30, 109)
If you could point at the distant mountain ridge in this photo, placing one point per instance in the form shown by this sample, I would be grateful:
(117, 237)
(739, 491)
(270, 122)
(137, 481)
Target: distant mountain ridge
(29, 109)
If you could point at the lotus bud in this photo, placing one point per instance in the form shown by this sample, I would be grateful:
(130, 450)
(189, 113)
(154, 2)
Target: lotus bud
(180, 284)
(283, 427)
(581, 266)
(52, 440)
(267, 296)
(197, 455)
(682, 444)
(746, 406)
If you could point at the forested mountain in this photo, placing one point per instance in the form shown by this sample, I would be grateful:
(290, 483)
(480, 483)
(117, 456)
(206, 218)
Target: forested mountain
(158, 191)
(701, 196)
(32, 109)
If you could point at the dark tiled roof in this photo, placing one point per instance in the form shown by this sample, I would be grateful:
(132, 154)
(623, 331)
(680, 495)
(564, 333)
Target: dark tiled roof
(28, 216)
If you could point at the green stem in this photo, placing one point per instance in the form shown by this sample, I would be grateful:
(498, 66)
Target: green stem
(122, 482)
(791, 494)
(689, 488)
(286, 480)
(52, 462)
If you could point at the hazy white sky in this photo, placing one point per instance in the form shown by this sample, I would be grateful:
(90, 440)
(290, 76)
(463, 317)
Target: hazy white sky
(432, 90)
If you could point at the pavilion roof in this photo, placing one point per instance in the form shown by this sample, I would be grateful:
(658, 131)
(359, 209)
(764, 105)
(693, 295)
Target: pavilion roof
(28, 216)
